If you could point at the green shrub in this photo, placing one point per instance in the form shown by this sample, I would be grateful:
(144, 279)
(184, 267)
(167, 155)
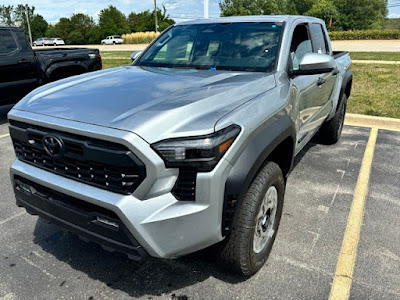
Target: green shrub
(372, 34)
(76, 38)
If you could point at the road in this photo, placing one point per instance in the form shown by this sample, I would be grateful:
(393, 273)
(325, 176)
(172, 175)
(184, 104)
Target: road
(40, 261)
(352, 46)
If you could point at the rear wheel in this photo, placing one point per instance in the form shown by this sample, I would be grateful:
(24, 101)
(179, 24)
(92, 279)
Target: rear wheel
(249, 244)
(331, 131)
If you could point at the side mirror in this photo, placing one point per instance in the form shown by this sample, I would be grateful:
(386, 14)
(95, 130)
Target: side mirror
(135, 55)
(315, 63)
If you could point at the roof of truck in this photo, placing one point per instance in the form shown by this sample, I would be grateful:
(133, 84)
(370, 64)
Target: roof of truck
(242, 19)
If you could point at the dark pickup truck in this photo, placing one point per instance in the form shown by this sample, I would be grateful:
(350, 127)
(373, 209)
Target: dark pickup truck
(23, 69)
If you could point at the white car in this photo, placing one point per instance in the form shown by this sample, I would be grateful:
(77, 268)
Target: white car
(58, 41)
(112, 39)
(43, 42)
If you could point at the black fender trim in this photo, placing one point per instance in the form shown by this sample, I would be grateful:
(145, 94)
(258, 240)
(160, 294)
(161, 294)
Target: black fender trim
(66, 64)
(347, 78)
(259, 147)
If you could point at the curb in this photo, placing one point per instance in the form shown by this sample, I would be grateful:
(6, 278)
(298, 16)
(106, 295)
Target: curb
(383, 62)
(372, 122)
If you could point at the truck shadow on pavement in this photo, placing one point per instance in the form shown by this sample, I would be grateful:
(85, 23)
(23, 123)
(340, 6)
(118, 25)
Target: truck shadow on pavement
(154, 277)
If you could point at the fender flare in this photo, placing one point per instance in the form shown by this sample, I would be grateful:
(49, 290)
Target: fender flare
(347, 78)
(59, 65)
(260, 146)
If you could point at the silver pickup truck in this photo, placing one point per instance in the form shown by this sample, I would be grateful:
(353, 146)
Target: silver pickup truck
(188, 147)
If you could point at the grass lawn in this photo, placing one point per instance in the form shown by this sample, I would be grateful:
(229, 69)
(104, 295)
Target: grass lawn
(376, 90)
(393, 56)
(376, 87)
(115, 54)
(111, 63)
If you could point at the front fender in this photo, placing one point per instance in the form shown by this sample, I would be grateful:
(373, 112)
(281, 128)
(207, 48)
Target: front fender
(260, 146)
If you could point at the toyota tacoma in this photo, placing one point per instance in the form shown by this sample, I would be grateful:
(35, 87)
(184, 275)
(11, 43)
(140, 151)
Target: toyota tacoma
(188, 147)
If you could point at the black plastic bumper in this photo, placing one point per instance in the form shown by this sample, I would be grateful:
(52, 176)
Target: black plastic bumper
(89, 221)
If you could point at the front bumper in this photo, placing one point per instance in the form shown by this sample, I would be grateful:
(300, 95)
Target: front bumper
(159, 224)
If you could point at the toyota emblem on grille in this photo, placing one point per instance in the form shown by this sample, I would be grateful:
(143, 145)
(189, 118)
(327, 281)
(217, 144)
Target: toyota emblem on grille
(53, 145)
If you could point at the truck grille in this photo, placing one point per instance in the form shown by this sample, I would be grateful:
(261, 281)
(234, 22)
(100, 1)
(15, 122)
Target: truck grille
(99, 163)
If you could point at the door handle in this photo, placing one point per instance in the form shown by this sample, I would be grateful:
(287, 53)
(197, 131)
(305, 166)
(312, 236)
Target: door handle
(321, 81)
(24, 61)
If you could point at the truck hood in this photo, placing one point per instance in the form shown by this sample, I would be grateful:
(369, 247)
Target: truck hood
(154, 103)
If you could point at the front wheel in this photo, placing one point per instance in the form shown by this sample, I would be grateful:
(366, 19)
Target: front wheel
(249, 244)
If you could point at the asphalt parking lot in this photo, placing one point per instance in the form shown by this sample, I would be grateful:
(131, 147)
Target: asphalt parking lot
(39, 261)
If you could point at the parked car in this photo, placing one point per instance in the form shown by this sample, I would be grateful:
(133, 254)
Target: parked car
(58, 41)
(23, 69)
(112, 39)
(43, 42)
(189, 146)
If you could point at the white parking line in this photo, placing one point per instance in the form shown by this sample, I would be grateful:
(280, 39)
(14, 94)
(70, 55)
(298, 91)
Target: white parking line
(12, 217)
(37, 267)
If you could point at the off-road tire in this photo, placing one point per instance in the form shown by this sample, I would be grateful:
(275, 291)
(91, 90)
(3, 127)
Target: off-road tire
(237, 251)
(331, 130)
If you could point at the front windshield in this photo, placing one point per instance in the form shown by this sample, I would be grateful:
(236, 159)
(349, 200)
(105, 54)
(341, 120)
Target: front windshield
(220, 46)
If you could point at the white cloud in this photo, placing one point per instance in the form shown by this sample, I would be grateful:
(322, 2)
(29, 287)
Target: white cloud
(394, 15)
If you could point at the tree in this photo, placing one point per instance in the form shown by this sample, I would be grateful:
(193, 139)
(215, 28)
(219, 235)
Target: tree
(82, 23)
(291, 8)
(63, 28)
(251, 7)
(112, 21)
(76, 38)
(95, 35)
(325, 10)
(303, 6)
(51, 32)
(20, 16)
(15, 16)
(7, 15)
(144, 21)
(361, 14)
(38, 27)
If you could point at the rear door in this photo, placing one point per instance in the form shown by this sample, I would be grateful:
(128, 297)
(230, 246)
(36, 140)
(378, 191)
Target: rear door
(313, 91)
(18, 70)
(321, 45)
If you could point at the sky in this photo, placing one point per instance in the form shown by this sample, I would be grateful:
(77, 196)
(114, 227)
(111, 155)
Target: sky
(53, 10)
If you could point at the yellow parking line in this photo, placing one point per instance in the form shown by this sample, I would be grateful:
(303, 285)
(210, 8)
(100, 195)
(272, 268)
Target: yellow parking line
(4, 135)
(343, 278)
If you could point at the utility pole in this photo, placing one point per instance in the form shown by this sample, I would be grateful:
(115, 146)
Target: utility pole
(205, 9)
(27, 21)
(155, 14)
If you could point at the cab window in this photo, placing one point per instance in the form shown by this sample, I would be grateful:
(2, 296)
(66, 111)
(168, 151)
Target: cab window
(301, 44)
(319, 40)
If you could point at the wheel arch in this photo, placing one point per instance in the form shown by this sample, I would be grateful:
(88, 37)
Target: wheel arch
(275, 142)
(346, 87)
(65, 70)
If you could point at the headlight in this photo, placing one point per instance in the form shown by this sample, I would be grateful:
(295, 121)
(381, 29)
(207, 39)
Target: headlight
(201, 153)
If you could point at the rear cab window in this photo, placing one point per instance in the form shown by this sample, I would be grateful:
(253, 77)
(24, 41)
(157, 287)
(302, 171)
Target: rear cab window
(320, 41)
